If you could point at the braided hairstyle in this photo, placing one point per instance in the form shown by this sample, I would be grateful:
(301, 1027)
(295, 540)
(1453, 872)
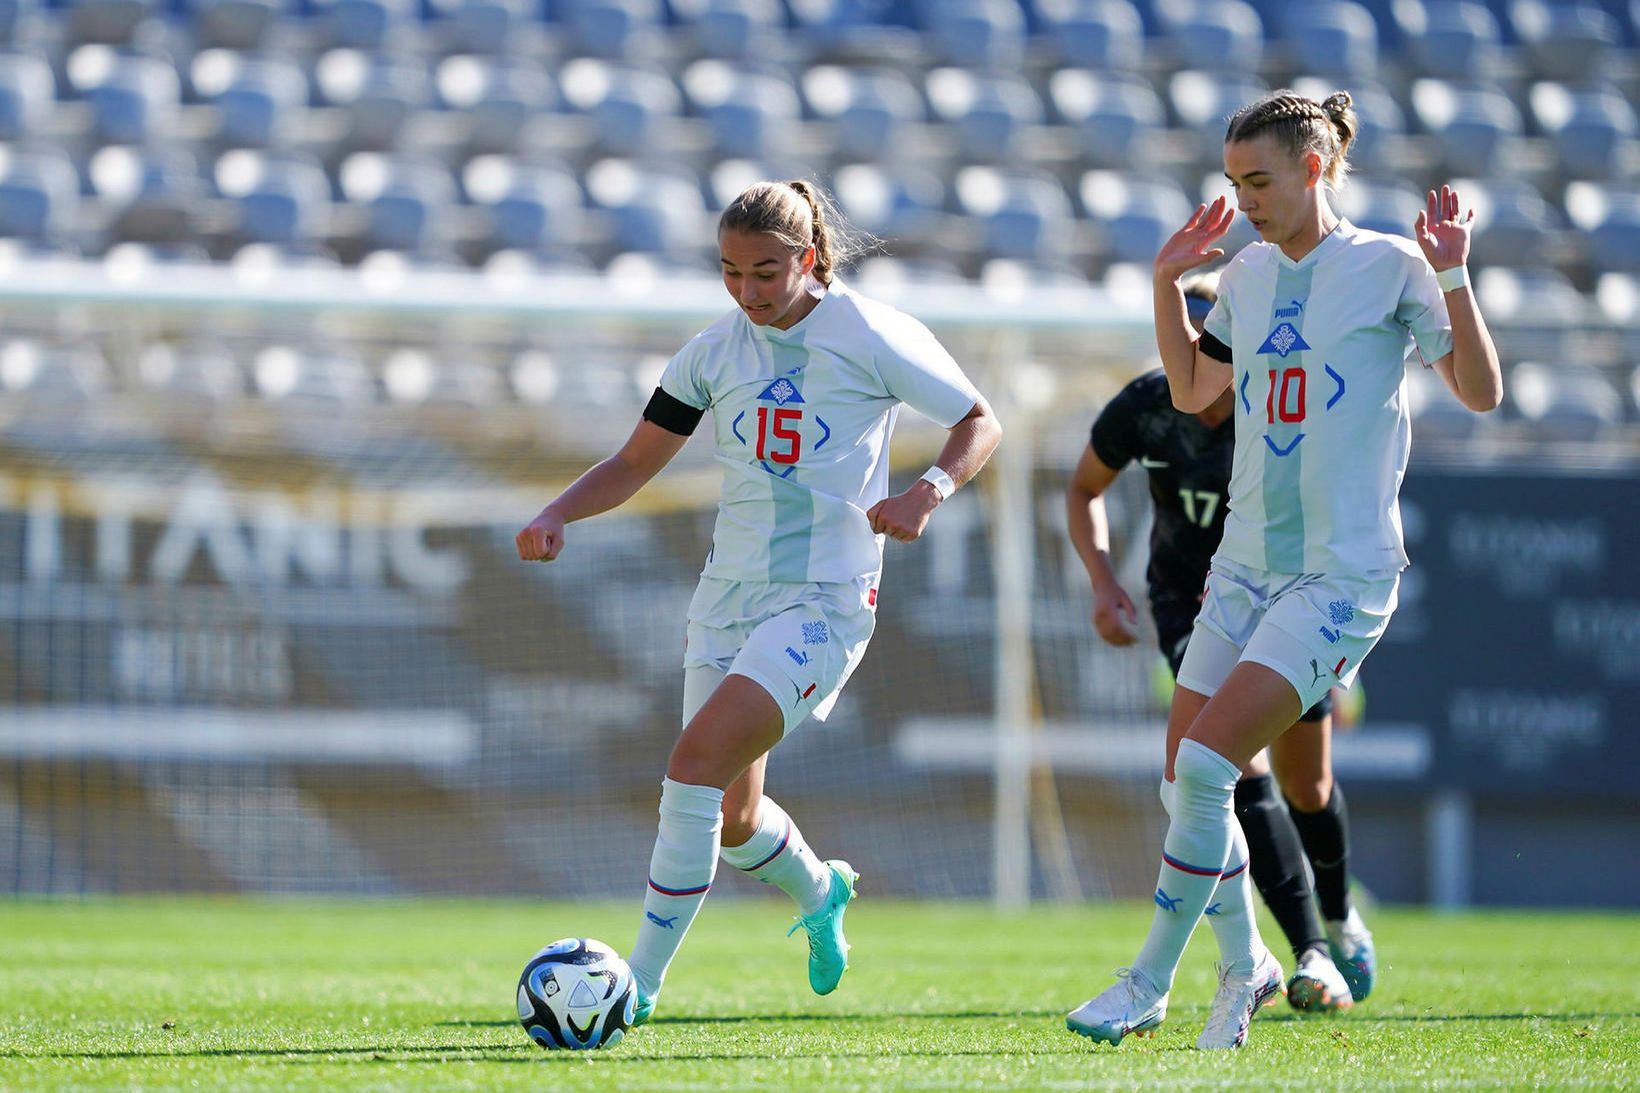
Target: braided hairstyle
(1302, 125)
(800, 215)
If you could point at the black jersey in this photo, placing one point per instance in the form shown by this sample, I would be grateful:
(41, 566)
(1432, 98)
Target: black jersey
(1189, 469)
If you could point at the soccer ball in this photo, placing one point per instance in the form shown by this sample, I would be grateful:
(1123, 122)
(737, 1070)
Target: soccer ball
(578, 994)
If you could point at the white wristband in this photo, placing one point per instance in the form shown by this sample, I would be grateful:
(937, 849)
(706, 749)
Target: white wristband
(1450, 279)
(941, 482)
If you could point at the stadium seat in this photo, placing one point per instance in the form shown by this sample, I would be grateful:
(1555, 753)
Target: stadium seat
(1135, 213)
(1607, 219)
(902, 205)
(196, 368)
(39, 196)
(377, 95)
(27, 89)
(72, 372)
(1381, 123)
(258, 99)
(1380, 207)
(1204, 102)
(729, 29)
(1514, 225)
(633, 111)
(1593, 128)
(859, 31)
(280, 200)
(750, 113)
(1476, 126)
(1437, 413)
(868, 109)
(612, 29)
(1451, 39)
(988, 35)
(281, 371)
(234, 24)
(106, 22)
(1215, 35)
(531, 207)
(153, 195)
(1569, 400)
(366, 25)
(1118, 120)
(1335, 38)
(494, 100)
(1020, 215)
(132, 96)
(652, 209)
(1101, 35)
(1566, 39)
(989, 114)
(405, 201)
(484, 27)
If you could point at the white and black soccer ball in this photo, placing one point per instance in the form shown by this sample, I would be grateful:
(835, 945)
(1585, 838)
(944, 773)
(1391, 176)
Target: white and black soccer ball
(577, 994)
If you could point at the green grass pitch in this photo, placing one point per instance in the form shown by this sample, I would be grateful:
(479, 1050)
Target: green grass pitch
(273, 995)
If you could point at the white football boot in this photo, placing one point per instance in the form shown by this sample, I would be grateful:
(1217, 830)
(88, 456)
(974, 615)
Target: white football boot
(1240, 994)
(1317, 986)
(1132, 1004)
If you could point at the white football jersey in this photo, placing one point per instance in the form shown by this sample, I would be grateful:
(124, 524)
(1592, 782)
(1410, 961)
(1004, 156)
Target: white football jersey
(802, 419)
(1319, 351)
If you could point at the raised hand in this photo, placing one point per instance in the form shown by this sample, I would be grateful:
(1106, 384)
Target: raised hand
(1188, 248)
(1442, 232)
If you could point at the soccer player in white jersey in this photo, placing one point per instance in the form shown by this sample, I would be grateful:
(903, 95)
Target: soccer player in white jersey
(1310, 332)
(803, 381)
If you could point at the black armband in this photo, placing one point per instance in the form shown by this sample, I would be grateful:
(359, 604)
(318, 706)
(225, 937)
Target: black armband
(1213, 348)
(673, 415)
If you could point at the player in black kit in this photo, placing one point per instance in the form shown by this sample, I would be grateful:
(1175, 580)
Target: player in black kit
(1187, 460)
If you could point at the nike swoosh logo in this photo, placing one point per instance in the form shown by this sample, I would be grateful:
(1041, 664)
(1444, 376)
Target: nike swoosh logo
(1146, 461)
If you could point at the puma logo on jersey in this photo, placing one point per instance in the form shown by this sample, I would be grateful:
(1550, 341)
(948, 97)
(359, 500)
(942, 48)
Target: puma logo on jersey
(1316, 668)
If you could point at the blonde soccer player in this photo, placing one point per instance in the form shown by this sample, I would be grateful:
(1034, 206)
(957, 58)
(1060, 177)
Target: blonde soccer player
(803, 381)
(1310, 333)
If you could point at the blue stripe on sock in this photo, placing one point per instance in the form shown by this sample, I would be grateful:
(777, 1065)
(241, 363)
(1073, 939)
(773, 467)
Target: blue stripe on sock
(1228, 873)
(784, 839)
(1186, 867)
(678, 891)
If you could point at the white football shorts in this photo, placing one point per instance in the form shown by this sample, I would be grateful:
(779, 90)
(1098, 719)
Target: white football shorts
(799, 642)
(1314, 629)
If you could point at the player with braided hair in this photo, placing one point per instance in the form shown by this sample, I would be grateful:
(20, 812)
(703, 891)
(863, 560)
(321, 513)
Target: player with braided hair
(1310, 333)
(804, 381)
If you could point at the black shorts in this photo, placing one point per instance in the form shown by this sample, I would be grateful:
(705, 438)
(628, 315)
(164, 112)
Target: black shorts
(1174, 621)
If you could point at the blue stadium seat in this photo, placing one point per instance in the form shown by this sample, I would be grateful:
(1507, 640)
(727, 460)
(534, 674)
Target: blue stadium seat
(651, 209)
(199, 368)
(1102, 35)
(869, 109)
(1451, 39)
(319, 373)
(1514, 225)
(486, 27)
(1336, 38)
(729, 29)
(750, 113)
(153, 194)
(1593, 128)
(1136, 213)
(989, 113)
(106, 22)
(1118, 120)
(406, 202)
(359, 24)
(902, 205)
(258, 99)
(1020, 215)
(1204, 101)
(1567, 39)
(1436, 412)
(1476, 126)
(39, 196)
(1607, 219)
(27, 89)
(1568, 400)
(612, 29)
(531, 207)
(281, 200)
(377, 95)
(632, 109)
(1381, 123)
(1217, 35)
(867, 31)
(980, 34)
(496, 100)
(1380, 206)
(234, 24)
(133, 96)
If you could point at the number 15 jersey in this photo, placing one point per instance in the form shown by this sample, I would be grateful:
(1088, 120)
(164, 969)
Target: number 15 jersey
(802, 420)
(1318, 350)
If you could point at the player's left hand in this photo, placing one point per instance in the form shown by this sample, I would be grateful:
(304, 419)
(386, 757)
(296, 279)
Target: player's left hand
(1442, 229)
(904, 516)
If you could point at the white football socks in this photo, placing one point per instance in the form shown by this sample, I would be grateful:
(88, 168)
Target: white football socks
(778, 854)
(680, 874)
(1230, 909)
(1194, 856)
